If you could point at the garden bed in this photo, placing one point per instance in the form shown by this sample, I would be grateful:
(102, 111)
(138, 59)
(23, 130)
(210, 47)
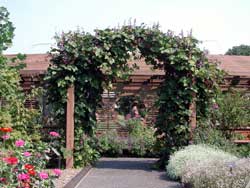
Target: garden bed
(66, 176)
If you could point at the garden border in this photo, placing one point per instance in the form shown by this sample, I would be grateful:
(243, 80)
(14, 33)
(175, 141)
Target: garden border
(78, 177)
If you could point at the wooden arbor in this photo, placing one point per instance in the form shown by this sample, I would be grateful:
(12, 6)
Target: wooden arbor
(96, 57)
(237, 67)
(70, 124)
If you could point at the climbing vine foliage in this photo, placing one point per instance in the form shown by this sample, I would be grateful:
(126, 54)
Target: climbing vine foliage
(92, 62)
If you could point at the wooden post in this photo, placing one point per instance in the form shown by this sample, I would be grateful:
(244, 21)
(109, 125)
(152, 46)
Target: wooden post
(192, 108)
(192, 118)
(108, 111)
(70, 126)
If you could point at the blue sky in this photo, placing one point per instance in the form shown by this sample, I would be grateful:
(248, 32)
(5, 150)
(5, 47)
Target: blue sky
(220, 24)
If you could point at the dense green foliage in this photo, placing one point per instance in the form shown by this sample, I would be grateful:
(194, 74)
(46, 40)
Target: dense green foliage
(93, 61)
(23, 156)
(85, 152)
(209, 135)
(110, 145)
(6, 30)
(239, 50)
(12, 110)
(13, 113)
(142, 142)
(232, 112)
(216, 138)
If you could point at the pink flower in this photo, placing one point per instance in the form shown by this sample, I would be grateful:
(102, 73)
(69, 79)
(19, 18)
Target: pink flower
(215, 106)
(19, 143)
(23, 177)
(57, 171)
(27, 154)
(53, 133)
(43, 175)
(3, 180)
(5, 137)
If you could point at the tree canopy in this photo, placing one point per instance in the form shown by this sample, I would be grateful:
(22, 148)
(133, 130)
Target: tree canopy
(6, 29)
(239, 50)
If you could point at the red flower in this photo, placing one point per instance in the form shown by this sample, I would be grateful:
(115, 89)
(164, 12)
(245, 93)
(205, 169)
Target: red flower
(32, 172)
(28, 166)
(6, 129)
(31, 169)
(11, 160)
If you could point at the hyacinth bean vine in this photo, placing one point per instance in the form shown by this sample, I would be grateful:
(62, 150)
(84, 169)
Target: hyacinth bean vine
(93, 61)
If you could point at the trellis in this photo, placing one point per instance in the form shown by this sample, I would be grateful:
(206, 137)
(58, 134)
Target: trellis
(70, 124)
(87, 62)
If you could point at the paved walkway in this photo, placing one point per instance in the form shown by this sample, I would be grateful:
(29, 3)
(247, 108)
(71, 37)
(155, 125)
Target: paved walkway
(126, 173)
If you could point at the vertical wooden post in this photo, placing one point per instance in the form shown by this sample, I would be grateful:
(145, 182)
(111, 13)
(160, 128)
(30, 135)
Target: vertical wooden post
(70, 126)
(108, 110)
(192, 118)
(192, 108)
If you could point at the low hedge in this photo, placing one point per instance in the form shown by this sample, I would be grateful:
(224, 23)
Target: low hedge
(195, 155)
(214, 174)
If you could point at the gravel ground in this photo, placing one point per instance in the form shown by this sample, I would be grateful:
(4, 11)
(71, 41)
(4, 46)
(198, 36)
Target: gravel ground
(65, 177)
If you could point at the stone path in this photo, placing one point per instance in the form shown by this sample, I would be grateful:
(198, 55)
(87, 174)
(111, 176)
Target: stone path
(126, 173)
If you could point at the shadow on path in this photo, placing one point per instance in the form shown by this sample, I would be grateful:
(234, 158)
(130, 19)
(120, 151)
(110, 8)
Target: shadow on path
(126, 164)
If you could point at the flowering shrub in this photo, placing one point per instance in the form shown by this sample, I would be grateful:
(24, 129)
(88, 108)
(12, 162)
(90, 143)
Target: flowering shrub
(233, 111)
(110, 144)
(212, 174)
(195, 154)
(142, 140)
(21, 160)
(54, 134)
(23, 166)
(206, 133)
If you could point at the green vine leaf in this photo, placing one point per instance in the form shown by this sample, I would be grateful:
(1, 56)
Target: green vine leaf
(93, 61)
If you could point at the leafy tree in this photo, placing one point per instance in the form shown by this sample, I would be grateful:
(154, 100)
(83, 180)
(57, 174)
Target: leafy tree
(12, 110)
(239, 50)
(6, 29)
